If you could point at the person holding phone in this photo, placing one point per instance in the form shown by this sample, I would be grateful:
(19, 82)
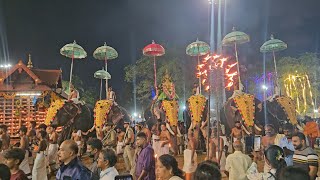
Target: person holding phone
(286, 143)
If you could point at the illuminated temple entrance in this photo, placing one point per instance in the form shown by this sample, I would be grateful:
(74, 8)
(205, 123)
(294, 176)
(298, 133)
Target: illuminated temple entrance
(22, 92)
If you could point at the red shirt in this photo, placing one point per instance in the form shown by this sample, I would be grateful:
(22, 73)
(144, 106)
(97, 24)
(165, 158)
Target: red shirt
(20, 175)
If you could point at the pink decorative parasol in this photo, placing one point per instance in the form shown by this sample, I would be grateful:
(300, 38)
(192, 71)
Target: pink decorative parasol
(154, 50)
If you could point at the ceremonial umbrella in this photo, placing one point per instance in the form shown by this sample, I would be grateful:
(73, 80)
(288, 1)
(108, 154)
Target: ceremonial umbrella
(154, 50)
(274, 45)
(198, 48)
(73, 51)
(101, 74)
(105, 53)
(233, 39)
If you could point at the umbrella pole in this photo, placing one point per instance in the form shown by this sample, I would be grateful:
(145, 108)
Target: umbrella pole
(71, 68)
(238, 65)
(199, 75)
(155, 72)
(277, 90)
(100, 88)
(106, 63)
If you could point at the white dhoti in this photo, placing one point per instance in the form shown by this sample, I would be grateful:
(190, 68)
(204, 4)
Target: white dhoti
(222, 162)
(39, 171)
(24, 166)
(188, 166)
(164, 149)
(156, 148)
(52, 156)
(120, 147)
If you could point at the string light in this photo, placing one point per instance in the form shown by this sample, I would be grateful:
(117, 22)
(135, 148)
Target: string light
(298, 88)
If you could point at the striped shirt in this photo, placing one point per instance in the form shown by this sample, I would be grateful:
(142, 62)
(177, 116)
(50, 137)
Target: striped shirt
(305, 158)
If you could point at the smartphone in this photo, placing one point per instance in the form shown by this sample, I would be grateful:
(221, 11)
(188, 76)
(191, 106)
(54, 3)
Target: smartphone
(257, 143)
(124, 177)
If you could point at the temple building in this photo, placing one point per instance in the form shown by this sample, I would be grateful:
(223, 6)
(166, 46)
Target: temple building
(23, 89)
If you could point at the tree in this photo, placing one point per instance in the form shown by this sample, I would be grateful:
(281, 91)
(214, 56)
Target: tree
(87, 94)
(182, 72)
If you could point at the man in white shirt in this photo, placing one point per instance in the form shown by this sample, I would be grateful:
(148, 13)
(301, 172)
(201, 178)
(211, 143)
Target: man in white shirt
(238, 163)
(106, 161)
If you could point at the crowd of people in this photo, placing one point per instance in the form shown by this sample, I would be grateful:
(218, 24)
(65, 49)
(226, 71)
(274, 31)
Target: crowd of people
(148, 154)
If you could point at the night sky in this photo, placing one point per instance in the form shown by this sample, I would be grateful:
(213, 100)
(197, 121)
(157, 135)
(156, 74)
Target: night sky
(42, 27)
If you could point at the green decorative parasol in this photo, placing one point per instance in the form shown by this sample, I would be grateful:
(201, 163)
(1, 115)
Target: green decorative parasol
(198, 48)
(101, 74)
(233, 39)
(105, 53)
(274, 45)
(73, 51)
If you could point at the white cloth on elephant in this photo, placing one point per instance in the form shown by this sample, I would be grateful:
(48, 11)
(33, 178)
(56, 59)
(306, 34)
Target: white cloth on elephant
(188, 166)
(163, 150)
(24, 166)
(39, 171)
(120, 147)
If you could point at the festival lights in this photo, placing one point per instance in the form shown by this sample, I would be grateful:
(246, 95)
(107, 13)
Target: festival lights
(215, 61)
(4, 66)
(299, 89)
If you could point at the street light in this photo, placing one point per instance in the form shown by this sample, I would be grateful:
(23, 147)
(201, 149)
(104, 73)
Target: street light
(4, 66)
(264, 87)
(135, 114)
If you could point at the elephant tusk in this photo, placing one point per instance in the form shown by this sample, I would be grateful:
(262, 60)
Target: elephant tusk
(191, 126)
(245, 129)
(169, 129)
(257, 128)
(299, 127)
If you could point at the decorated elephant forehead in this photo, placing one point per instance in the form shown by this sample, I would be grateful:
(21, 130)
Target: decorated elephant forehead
(246, 106)
(53, 110)
(101, 111)
(288, 107)
(197, 104)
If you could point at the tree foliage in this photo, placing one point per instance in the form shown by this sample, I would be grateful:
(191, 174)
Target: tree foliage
(87, 94)
(180, 67)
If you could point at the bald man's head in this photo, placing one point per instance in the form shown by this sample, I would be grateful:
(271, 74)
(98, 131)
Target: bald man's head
(72, 145)
(68, 150)
(237, 145)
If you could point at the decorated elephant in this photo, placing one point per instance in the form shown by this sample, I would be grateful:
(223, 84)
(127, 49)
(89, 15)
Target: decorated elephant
(107, 111)
(281, 110)
(165, 108)
(244, 108)
(70, 116)
(195, 114)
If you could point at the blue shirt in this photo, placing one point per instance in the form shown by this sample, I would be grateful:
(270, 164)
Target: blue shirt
(288, 144)
(74, 170)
